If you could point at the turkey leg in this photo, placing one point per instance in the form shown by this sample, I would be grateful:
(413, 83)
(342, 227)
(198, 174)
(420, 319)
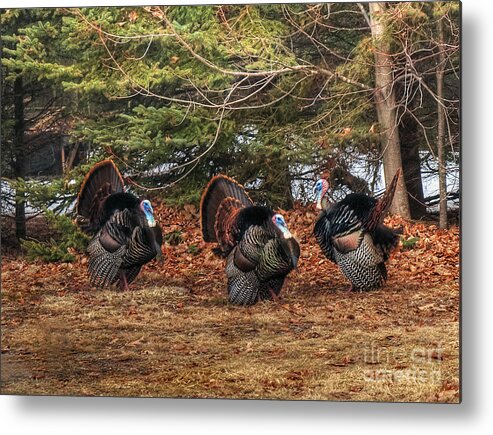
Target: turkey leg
(275, 298)
(123, 281)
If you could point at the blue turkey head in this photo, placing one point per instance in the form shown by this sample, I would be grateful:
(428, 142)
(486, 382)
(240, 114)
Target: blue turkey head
(146, 208)
(280, 223)
(320, 189)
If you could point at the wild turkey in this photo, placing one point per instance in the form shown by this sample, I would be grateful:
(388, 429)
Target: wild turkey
(125, 234)
(259, 248)
(352, 235)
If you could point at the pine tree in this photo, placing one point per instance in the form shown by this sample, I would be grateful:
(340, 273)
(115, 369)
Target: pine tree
(35, 110)
(274, 95)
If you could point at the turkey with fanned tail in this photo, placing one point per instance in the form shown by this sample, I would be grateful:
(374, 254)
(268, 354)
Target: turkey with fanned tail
(125, 235)
(351, 234)
(259, 249)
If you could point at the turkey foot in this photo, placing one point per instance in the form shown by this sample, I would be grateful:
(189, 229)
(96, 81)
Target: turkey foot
(350, 288)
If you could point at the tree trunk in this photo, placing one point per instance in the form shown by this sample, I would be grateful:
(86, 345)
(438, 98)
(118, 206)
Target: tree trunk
(69, 162)
(20, 158)
(411, 166)
(442, 163)
(385, 103)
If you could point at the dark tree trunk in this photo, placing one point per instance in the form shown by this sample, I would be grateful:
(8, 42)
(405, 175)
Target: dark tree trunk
(411, 166)
(20, 158)
(442, 163)
(69, 162)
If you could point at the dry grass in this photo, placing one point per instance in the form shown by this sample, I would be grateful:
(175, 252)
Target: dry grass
(174, 334)
(165, 341)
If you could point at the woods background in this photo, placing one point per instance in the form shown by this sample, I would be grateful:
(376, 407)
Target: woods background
(273, 95)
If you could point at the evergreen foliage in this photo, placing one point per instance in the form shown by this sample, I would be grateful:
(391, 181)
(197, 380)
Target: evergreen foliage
(71, 241)
(178, 94)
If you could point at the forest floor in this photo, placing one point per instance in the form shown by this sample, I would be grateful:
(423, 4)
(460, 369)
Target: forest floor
(173, 334)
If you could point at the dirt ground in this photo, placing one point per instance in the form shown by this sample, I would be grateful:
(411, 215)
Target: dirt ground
(175, 335)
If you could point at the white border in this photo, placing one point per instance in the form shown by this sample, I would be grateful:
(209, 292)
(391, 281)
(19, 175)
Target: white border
(40, 415)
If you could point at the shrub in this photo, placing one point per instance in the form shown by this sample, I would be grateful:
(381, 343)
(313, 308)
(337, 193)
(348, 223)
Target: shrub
(70, 239)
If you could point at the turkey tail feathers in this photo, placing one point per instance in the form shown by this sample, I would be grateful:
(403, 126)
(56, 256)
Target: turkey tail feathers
(383, 204)
(225, 219)
(102, 180)
(221, 201)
